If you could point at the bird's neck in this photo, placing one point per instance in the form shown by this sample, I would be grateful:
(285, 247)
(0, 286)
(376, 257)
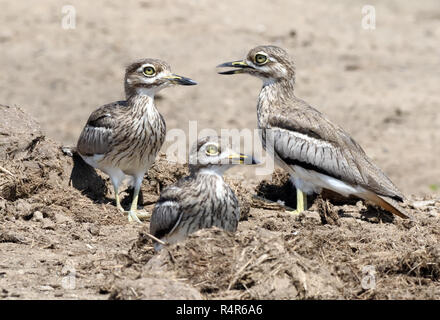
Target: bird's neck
(215, 171)
(273, 93)
(211, 181)
(141, 103)
(277, 89)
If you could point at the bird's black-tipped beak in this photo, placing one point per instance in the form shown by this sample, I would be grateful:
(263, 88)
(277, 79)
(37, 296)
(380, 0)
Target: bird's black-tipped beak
(243, 159)
(176, 79)
(242, 65)
(254, 161)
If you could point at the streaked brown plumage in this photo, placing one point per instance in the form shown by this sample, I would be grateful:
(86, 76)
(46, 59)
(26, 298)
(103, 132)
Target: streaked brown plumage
(202, 199)
(124, 137)
(317, 153)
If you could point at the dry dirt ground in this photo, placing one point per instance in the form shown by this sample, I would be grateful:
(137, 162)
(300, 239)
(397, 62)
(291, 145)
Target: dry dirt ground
(62, 237)
(59, 228)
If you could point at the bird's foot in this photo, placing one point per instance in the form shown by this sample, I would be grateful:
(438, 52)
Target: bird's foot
(134, 215)
(301, 203)
(137, 215)
(294, 212)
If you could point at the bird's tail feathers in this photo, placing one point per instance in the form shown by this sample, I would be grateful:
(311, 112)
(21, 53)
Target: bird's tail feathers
(384, 202)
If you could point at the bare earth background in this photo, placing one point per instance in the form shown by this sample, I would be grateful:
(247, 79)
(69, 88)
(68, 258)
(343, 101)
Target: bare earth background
(381, 85)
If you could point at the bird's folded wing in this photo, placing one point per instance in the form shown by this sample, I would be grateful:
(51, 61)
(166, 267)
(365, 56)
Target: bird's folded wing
(166, 214)
(97, 135)
(306, 138)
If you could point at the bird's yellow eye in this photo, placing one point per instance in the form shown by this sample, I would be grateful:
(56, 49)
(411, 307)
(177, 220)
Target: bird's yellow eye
(149, 71)
(212, 150)
(260, 58)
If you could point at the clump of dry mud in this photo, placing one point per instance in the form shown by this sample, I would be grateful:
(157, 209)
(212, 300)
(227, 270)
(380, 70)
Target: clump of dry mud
(38, 175)
(275, 255)
(57, 215)
(339, 249)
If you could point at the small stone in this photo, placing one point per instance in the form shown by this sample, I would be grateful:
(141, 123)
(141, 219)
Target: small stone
(37, 216)
(75, 236)
(23, 209)
(62, 218)
(422, 204)
(2, 205)
(46, 288)
(94, 230)
(48, 224)
(352, 67)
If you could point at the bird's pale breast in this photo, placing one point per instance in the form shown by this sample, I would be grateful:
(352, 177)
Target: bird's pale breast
(137, 140)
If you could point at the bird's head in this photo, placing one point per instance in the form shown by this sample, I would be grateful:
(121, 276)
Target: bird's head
(148, 76)
(215, 154)
(269, 63)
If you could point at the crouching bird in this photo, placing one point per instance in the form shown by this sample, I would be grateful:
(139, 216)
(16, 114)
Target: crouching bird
(124, 137)
(316, 152)
(202, 199)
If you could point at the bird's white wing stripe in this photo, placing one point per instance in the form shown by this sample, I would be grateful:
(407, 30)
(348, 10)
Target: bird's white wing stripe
(300, 149)
(311, 140)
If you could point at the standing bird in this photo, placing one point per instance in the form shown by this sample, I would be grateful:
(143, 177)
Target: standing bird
(317, 153)
(124, 137)
(202, 199)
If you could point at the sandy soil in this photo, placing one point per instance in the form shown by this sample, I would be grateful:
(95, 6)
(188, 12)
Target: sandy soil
(381, 85)
(62, 237)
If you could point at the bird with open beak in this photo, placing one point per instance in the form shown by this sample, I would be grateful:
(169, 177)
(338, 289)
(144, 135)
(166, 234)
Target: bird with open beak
(317, 153)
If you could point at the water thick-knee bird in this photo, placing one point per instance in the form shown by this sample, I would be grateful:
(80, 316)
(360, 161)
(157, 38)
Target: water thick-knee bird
(317, 153)
(124, 137)
(202, 199)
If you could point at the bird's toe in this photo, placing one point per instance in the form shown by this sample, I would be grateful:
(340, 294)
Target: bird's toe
(136, 216)
(294, 212)
(132, 216)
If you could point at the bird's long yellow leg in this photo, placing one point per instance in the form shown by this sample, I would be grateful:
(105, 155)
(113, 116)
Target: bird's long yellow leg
(133, 214)
(301, 202)
(118, 201)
